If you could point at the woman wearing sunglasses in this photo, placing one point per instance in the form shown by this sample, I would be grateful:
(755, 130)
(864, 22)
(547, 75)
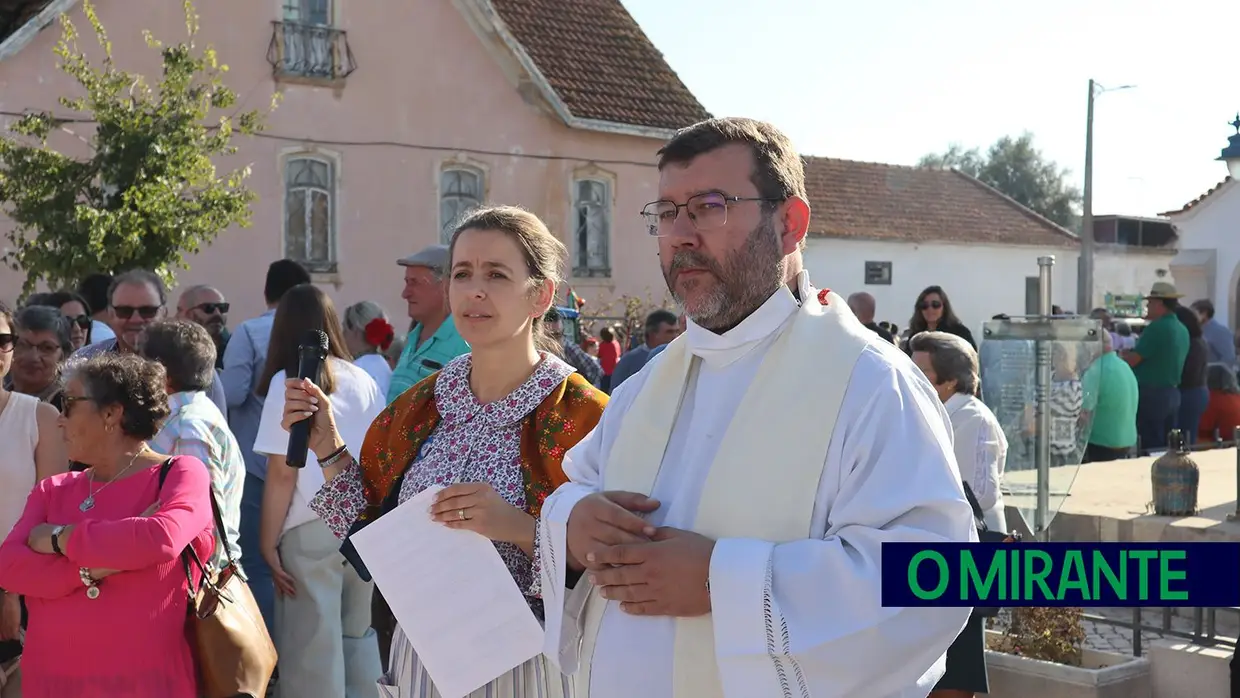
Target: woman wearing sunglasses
(74, 308)
(96, 553)
(40, 346)
(933, 313)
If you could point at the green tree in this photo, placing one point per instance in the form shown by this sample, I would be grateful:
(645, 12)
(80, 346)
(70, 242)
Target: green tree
(148, 194)
(1017, 168)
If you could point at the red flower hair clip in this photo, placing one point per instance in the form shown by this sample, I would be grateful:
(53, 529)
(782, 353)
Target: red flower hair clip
(823, 296)
(380, 333)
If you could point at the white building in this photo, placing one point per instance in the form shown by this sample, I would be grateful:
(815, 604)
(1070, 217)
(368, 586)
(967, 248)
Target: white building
(1208, 265)
(891, 231)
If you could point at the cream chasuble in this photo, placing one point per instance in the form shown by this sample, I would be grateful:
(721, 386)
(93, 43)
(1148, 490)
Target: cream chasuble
(762, 473)
(792, 408)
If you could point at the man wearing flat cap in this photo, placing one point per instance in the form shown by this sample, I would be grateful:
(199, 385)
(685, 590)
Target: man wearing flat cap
(431, 344)
(1158, 362)
(433, 341)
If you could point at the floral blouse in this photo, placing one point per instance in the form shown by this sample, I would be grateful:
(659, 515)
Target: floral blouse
(472, 443)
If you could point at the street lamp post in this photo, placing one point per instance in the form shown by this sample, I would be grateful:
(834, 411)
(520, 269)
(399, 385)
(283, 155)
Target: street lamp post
(1231, 154)
(1085, 271)
(1085, 275)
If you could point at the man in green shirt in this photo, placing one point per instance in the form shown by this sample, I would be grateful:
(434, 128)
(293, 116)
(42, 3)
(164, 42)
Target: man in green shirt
(1158, 362)
(1111, 396)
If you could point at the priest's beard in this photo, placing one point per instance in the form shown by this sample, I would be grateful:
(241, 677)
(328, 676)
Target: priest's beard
(744, 280)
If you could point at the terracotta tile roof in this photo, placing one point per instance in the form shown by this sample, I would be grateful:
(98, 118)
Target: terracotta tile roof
(1199, 199)
(873, 201)
(600, 62)
(15, 13)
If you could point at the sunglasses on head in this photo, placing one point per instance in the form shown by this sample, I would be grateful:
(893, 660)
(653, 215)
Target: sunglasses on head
(926, 305)
(212, 308)
(82, 321)
(146, 312)
(6, 342)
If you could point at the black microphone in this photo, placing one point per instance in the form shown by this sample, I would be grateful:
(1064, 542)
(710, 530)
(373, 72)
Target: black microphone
(310, 357)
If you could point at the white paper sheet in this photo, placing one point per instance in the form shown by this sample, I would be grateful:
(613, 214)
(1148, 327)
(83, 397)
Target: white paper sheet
(452, 595)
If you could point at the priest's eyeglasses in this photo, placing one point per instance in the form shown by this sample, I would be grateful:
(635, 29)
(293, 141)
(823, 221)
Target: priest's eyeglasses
(706, 211)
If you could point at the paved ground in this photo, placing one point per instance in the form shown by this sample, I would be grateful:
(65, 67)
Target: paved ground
(1121, 491)
(1117, 639)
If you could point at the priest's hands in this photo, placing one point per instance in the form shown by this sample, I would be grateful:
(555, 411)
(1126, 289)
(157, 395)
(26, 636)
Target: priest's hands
(604, 519)
(665, 577)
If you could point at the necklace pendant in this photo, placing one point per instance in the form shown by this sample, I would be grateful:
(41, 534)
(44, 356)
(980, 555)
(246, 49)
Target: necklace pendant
(92, 592)
(87, 504)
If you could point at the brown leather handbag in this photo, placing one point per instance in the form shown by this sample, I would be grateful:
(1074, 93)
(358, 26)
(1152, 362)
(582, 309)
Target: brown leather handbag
(232, 649)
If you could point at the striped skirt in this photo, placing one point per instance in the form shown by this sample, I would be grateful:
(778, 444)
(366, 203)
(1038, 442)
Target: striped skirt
(406, 678)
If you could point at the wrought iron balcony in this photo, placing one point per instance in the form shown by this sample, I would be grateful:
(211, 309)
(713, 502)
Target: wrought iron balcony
(310, 51)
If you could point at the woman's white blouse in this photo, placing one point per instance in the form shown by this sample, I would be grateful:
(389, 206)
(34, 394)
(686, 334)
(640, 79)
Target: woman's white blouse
(378, 368)
(356, 402)
(981, 453)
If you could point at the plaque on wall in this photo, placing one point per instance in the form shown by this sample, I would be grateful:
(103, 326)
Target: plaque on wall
(878, 273)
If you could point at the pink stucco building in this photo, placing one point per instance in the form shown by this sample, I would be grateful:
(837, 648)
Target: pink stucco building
(394, 121)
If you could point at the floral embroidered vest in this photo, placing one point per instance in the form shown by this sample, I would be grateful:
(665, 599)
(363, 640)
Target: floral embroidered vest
(563, 418)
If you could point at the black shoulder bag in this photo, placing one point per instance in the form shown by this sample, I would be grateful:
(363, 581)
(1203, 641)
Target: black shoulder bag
(390, 501)
(985, 535)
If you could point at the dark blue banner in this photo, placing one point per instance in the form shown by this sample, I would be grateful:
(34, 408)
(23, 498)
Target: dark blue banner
(1061, 574)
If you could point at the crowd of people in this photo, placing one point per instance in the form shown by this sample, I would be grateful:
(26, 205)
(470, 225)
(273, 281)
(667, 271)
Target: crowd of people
(1174, 369)
(669, 504)
(201, 390)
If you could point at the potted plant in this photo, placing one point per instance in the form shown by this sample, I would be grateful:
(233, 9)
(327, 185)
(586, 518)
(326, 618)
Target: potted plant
(1041, 653)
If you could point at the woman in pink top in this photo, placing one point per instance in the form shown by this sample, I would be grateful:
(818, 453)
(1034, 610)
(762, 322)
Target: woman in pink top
(96, 553)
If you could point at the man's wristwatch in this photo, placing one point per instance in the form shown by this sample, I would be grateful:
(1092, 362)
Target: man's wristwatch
(56, 539)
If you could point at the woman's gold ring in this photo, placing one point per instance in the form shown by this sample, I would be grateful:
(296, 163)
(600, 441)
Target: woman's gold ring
(460, 514)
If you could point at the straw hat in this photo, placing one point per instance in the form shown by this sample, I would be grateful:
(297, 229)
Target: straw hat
(1163, 289)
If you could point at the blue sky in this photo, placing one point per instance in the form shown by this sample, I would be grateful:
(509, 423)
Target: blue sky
(889, 80)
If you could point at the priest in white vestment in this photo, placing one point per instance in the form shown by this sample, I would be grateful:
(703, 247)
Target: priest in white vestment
(729, 509)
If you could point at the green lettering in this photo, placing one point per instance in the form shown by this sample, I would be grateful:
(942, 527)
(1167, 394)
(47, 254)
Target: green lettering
(1073, 577)
(1014, 592)
(970, 575)
(1035, 576)
(1102, 568)
(1143, 557)
(916, 587)
(1167, 575)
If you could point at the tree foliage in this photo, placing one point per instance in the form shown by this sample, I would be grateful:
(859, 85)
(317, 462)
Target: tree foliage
(631, 311)
(1017, 168)
(148, 194)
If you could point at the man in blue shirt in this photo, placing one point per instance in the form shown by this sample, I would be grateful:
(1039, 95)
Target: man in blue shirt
(244, 358)
(1219, 339)
(662, 326)
(433, 341)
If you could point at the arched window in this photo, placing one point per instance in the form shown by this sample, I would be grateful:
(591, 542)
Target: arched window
(591, 243)
(309, 212)
(461, 190)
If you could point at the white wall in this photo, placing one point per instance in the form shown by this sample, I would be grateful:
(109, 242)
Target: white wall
(982, 281)
(1127, 272)
(1214, 224)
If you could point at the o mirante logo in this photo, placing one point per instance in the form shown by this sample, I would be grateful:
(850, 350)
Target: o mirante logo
(1061, 574)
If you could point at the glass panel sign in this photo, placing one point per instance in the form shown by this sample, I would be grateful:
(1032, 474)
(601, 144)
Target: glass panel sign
(1040, 378)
